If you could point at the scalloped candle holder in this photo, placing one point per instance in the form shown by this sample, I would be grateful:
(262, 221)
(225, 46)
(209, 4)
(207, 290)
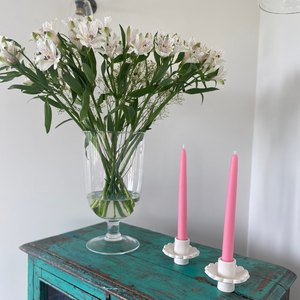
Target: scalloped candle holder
(181, 251)
(227, 274)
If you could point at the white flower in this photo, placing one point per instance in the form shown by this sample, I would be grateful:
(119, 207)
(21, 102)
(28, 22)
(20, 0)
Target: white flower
(179, 44)
(103, 28)
(164, 44)
(112, 46)
(87, 33)
(217, 57)
(9, 52)
(195, 53)
(131, 36)
(71, 24)
(141, 44)
(220, 77)
(48, 30)
(47, 55)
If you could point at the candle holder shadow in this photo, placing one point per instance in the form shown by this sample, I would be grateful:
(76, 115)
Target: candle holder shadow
(181, 251)
(227, 274)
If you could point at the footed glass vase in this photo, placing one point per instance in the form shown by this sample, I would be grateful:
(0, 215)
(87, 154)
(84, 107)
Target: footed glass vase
(113, 175)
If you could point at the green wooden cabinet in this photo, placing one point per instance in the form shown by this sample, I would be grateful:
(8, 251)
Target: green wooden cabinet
(62, 265)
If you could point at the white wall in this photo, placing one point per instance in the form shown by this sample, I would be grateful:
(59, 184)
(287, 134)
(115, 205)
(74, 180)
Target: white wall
(42, 185)
(274, 221)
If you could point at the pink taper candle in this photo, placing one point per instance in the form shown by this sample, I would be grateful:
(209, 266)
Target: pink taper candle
(182, 199)
(228, 236)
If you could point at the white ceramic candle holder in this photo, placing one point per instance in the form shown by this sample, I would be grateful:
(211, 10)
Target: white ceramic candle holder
(227, 274)
(181, 251)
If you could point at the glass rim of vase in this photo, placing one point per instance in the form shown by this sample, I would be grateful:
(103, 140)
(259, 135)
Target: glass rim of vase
(273, 8)
(117, 131)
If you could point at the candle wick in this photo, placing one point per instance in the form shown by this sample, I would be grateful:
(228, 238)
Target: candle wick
(234, 152)
(183, 146)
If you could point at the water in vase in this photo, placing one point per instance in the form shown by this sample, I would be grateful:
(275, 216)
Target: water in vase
(112, 208)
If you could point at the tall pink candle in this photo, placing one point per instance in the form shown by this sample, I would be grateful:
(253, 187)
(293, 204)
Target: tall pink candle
(228, 236)
(182, 199)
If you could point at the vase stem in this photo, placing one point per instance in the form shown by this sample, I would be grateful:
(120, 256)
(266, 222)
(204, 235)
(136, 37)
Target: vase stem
(113, 233)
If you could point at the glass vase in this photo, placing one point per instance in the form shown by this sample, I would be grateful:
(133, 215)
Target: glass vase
(113, 174)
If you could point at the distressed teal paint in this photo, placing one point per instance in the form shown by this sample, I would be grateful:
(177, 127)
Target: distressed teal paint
(146, 273)
(71, 291)
(30, 283)
(36, 283)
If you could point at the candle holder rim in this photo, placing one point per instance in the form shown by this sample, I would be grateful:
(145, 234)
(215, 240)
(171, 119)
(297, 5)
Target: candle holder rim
(169, 251)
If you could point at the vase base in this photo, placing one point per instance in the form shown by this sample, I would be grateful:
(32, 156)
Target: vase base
(102, 245)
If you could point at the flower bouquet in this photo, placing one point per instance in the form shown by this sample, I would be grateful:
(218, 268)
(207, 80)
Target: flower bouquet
(109, 84)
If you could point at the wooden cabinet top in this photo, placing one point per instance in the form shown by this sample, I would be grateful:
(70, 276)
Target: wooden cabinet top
(148, 273)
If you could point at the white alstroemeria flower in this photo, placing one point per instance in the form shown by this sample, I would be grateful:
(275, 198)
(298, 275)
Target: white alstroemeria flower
(179, 44)
(217, 57)
(220, 77)
(87, 33)
(142, 44)
(131, 36)
(164, 44)
(196, 53)
(10, 54)
(112, 46)
(104, 28)
(72, 32)
(47, 55)
(48, 30)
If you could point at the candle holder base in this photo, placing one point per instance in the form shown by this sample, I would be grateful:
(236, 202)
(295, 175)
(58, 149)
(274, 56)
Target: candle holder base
(227, 274)
(181, 251)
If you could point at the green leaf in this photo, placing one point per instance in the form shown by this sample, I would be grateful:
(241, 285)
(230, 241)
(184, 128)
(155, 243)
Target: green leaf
(93, 61)
(161, 71)
(53, 74)
(89, 73)
(129, 113)
(115, 109)
(121, 123)
(65, 121)
(101, 98)
(119, 58)
(11, 73)
(79, 75)
(166, 81)
(110, 125)
(135, 105)
(184, 69)
(212, 74)
(27, 89)
(51, 102)
(200, 91)
(28, 73)
(85, 105)
(166, 87)
(122, 77)
(180, 57)
(141, 92)
(123, 36)
(48, 116)
(157, 58)
(142, 58)
(73, 83)
(42, 78)
(5, 77)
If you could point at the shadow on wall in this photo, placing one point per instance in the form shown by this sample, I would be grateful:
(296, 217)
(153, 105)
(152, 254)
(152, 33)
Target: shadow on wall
(275, 223)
